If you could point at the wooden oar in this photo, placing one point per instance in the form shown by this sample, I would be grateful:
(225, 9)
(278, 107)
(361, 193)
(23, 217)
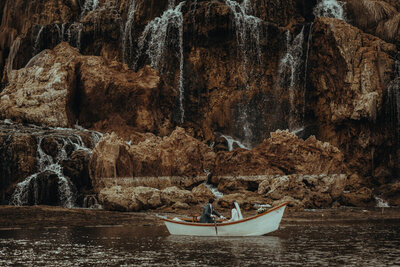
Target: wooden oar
(215, 226)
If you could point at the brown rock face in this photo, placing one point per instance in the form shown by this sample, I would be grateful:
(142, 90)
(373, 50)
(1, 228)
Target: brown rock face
(176, 155)
(40, 92)
(350, 87)
(380, 18)
(220, 69)
(110, 95)
(142, 198)
(97, 93)
(282, 153)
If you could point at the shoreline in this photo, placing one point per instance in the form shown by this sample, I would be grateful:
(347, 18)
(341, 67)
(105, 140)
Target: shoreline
(33, 217)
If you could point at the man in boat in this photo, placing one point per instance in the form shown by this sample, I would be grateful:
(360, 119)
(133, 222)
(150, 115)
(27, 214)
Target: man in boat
(209, 212)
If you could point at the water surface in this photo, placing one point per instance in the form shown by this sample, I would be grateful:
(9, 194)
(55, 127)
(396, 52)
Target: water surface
(345, 244)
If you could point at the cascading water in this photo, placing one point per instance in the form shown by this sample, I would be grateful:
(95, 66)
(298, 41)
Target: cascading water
(290, 68)
(232, 142)
(74, 34)
(127, 38)
(330, 9)
(13, 52)
(156, 40)
(36, 44)
(248, 31)
(28, 192)
(89, 5)
(248, 35)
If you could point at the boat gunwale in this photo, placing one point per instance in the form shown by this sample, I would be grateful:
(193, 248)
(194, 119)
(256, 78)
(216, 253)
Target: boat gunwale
(227, 223)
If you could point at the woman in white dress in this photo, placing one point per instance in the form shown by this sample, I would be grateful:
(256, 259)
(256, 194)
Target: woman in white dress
(236, 213)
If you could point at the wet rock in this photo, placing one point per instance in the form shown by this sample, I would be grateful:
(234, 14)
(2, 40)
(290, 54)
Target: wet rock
(112, 96)
(360, 198)
(391, 193)
(60, 86)
(308, 191)
(43, 190)
(18, 160)
(76, 168)
(27, 150)
(115, 198)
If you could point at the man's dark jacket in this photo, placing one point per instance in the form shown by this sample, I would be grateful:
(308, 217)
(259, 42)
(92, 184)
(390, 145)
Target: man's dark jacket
(206, 215)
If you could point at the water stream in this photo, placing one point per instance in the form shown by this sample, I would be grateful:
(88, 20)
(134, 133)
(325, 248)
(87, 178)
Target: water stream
(290, 69)
(39, 186)
(330, 9)
(161, 37)
(127, 35)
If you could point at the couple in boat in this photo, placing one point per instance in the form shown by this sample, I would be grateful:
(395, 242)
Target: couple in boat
(209, 213)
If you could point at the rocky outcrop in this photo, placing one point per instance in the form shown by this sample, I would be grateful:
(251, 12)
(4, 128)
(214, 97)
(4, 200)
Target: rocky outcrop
(108, 95)
(350, 92)
(41, 92)
(143, 198)
(176, 155)
(380, 18)
(282, 153)
(222, 70)
(60, 87)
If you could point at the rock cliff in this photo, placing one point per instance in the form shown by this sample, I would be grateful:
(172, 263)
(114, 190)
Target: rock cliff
(192, 92)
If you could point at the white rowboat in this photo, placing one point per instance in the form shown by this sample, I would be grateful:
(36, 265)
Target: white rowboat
(260, 224)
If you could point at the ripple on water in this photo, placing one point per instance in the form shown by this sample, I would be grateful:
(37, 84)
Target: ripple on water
(357, 244)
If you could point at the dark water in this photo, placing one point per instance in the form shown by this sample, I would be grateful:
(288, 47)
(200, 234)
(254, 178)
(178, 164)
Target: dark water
(350, 244)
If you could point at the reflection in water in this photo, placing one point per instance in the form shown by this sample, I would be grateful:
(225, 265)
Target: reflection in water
(356, 244)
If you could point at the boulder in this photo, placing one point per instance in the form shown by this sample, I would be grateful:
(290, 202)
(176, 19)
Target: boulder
(41, 92)
(391, 193)
(202, 193)
(363, 197)
(76, 168)
(176, 155)
(173, 195)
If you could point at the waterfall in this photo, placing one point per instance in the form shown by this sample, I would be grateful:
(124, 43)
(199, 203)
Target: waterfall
(309, 40)
(13, 52)
(156, 40)
(289, 74)
(232, 141)
(89, 5)
(380, 203)
(74, 34)
(330, 9)
(28, 191)
(36, 44)
(90, 202)
(214, 190)
(127, 38)
(248, 31)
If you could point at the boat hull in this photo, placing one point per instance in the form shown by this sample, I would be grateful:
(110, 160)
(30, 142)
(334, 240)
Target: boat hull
(254, 226)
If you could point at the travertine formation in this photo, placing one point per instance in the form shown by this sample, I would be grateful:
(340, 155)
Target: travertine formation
(175, 85)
